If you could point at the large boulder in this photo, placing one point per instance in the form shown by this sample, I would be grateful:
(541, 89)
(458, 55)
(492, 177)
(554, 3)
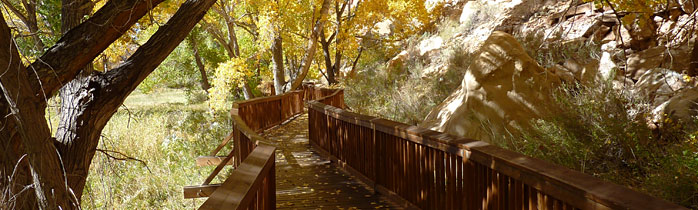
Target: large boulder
(502, 91)
(658, 85)
(682, 106)
(658, 57)
(430, 45)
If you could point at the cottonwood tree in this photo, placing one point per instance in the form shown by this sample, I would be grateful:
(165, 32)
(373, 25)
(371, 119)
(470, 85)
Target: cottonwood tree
(312, 45)
(226, 17)
(349, 20)
(44, 171)
(290, 31)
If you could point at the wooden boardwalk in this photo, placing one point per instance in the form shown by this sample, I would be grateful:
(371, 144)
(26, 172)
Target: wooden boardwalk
(306, 180)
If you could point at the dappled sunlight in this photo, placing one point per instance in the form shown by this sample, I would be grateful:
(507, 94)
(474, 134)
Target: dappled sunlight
(306, 179)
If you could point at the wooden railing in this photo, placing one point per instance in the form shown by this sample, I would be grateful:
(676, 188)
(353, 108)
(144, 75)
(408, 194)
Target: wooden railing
(263, 113)
(329, 96)
(432, 170)
(252, 183)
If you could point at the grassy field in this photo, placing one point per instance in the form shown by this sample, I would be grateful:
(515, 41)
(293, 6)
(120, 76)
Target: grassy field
(147, 153)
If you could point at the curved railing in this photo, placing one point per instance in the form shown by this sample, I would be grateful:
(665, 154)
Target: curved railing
(431, 170)
(252, 183)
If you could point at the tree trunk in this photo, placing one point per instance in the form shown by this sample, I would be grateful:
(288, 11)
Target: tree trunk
(328, 57)
(338, 53)
(312, 44)
(205, 85)
(99, 96)
(277, 53)
(231, 45)
(247, 91)
(352, 72)
(72, 13)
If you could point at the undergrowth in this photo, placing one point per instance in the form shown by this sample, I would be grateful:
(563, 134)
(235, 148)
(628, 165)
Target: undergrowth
(550, 50)
(166, 138)
(405, 94)
(605, 133)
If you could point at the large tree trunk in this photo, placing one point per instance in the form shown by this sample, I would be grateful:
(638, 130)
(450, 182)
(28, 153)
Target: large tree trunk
(277, 54)
(99, 96)
(72, 14)
(312, 44)
(26, 133)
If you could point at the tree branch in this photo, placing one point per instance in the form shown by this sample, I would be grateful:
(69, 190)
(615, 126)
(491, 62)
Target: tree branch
(16, 11)
(121, 81)
(79, 46)
(123, 157)
(312, 44)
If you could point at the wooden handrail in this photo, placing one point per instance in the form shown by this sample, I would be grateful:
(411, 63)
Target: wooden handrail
(433, 170)
(254, 178)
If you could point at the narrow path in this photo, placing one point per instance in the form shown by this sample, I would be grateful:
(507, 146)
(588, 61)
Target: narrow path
(305, 180)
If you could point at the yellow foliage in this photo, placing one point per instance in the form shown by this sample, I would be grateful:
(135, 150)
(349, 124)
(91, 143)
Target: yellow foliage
(230, 74)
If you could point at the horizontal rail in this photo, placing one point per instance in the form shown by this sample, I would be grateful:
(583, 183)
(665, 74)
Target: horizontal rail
(434, 170)
(211, 160)
(200, 191)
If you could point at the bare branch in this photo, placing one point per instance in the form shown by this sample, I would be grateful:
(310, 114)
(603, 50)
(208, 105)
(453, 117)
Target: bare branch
(122, 157)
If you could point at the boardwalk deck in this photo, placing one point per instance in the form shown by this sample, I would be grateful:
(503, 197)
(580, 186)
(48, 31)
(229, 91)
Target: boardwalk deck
(305, 180)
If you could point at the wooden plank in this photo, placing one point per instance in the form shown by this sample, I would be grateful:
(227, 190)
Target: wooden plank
(199, 191)
(212, 160)
(238, 190)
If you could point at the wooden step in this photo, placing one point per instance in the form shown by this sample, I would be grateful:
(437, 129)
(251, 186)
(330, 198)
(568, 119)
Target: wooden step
(200, 191)
(211, 160)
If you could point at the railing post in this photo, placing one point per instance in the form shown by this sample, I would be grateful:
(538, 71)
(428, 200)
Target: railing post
(375, 155)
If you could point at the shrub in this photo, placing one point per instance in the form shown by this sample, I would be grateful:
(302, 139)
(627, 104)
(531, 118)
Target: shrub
(604, 132)
(553, 50)
(406, 95)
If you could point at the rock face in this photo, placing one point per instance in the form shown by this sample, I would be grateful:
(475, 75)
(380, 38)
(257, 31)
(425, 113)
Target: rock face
(503, 88)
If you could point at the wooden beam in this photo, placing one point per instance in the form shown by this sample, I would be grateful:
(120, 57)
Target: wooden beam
(219, 167)
(212, 160)
(199, 191)
(223, 143)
